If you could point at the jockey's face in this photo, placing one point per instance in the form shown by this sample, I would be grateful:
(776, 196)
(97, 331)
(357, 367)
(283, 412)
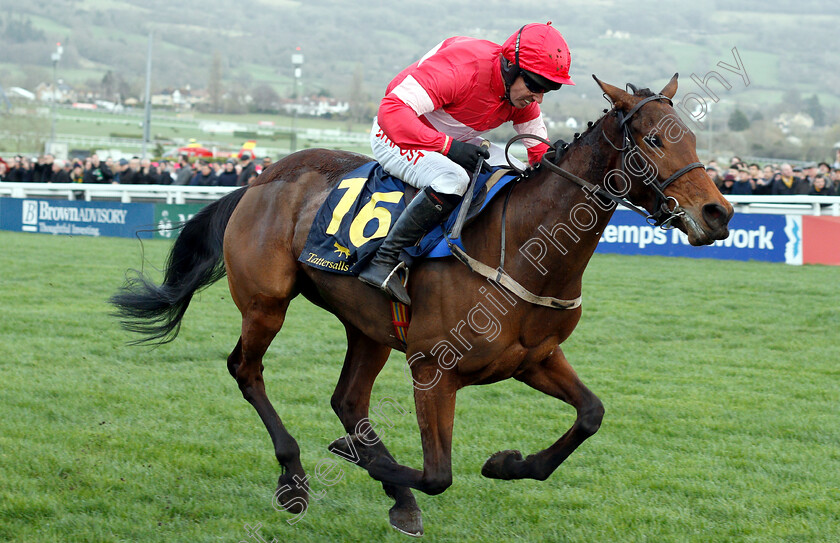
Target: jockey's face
(521, 96)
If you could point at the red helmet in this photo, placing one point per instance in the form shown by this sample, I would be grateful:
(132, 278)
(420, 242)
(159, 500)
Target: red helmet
(540, 49)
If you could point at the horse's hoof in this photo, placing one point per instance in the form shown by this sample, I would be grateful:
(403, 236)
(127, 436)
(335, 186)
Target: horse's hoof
(407, 521)
(350, 448)
(290, 495)
(505, 465)
(342, 447)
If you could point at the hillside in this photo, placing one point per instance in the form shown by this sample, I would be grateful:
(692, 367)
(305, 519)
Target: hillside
(352, 49)
(338, 39)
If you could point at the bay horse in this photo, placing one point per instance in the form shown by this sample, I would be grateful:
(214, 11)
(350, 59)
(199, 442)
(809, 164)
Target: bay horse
(549, 227)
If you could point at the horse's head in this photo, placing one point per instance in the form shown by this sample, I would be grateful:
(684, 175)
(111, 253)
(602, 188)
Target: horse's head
(660, 164)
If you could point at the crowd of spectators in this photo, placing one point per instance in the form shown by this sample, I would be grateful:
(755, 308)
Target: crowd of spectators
(739, 177)
(239, 171)
(816, 179)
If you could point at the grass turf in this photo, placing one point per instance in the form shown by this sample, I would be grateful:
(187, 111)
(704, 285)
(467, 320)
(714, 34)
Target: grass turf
(720, 381)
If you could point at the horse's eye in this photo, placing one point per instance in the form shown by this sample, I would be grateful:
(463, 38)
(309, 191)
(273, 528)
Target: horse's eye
(654, 141)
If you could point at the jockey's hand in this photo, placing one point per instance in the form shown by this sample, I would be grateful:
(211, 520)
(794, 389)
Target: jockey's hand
(466, 155)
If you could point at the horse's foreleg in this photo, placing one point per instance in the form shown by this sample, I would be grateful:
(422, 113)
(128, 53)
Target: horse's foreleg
(555, 377)
(351, 402)
(260, 323)
(435, 414)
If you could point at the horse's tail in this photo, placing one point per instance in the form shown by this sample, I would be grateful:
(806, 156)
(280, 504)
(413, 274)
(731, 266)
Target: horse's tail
(195, 262)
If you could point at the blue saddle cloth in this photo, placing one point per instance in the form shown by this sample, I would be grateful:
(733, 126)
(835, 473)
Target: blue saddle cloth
(356, 216)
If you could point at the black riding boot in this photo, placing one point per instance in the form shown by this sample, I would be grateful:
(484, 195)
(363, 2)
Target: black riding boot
(425, 211)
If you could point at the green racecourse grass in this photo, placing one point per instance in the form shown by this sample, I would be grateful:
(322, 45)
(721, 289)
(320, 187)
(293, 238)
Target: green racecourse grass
(720, 382)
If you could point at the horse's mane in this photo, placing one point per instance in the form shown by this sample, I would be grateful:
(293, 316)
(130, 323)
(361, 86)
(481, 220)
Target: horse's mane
(562, 147)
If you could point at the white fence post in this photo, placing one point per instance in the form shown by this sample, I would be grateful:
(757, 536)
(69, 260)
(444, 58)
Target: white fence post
(121, 193)
(777, 205)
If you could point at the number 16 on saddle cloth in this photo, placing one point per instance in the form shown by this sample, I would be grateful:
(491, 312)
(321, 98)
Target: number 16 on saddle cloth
(353, 220)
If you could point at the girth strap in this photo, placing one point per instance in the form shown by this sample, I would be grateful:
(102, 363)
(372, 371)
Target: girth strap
(500, 276)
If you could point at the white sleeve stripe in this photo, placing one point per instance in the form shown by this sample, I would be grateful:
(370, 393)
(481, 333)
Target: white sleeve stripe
(535, 127)
(430, 53)
(414, 96)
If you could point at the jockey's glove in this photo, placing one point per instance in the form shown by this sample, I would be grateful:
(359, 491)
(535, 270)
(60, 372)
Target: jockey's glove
(466, 155)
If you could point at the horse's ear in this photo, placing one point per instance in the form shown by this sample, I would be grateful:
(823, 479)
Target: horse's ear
(620, 99)
(671, 88)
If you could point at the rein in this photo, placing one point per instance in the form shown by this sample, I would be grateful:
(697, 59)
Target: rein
(566, 174)
(662, 217)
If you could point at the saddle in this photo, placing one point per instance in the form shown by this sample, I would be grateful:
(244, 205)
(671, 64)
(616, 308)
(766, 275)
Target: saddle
(357, 214)
(476, 204)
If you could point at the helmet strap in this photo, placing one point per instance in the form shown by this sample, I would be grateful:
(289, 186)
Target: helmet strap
(511, 72)
(516, 49)
(509, 75)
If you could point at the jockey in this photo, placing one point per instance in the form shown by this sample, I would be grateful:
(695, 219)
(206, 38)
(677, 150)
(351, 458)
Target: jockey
(428, 126)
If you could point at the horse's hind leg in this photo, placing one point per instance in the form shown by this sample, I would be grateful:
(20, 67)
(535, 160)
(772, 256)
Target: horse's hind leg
(555, 377)
(434, 399)
(261, 321)
(364, 360)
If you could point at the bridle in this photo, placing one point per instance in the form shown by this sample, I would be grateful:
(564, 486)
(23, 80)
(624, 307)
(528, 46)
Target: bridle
(663, 214)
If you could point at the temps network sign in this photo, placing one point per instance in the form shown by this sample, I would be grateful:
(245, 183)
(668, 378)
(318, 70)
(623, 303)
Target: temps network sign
(76, 218)
(768, 238)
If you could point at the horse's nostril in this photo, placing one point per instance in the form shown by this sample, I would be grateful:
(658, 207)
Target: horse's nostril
(715, 215)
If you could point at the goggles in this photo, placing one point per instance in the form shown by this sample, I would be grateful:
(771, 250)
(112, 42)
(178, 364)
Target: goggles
(537, 83)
